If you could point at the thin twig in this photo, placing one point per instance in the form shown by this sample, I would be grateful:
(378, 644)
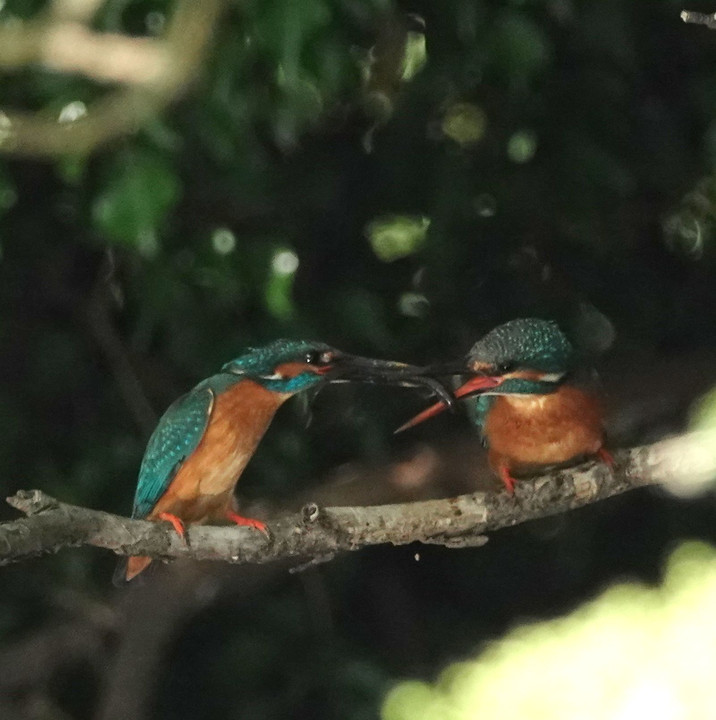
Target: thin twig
(317, 532)
(97, 316)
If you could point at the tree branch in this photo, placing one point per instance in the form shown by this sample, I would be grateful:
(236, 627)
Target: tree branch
(150, 73)
(684, 463)
(697, 18)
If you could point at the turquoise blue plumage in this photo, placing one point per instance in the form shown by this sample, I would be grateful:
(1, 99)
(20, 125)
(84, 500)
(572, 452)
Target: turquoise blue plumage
(204, 440)
(183, 425)
(477, 410)
(529, 342)
(175, 438)
(520, 399)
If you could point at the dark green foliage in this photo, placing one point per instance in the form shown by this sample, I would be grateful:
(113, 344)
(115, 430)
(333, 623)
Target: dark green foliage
(140, 190)
(548, 147)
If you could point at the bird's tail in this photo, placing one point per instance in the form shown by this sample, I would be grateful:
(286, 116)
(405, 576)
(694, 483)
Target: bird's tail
(128, 568)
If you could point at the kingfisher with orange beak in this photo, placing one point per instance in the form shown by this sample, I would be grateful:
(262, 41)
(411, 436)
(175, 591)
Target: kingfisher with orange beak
(522, 402)
(205, 439)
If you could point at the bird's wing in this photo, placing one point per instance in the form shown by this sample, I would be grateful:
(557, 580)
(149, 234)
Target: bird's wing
(175, 438)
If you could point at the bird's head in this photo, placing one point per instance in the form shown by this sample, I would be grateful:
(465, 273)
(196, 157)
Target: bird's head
(523, 357)
(291, 366)
(528, 356)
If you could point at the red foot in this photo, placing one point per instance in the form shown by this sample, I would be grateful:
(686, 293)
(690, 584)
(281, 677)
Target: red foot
(176, 522)
(507, 479)
(247, 522)
(606, 457)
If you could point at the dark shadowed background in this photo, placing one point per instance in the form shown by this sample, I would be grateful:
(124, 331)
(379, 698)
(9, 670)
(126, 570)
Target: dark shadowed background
(391, 179)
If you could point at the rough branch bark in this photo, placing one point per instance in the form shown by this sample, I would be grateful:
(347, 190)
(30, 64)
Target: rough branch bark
(320, 532)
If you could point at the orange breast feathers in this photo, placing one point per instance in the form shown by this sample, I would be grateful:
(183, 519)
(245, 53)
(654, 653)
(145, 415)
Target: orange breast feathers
(203, 487)
(527, 431)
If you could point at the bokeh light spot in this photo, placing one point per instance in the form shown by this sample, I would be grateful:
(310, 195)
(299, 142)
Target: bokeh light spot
(223, 241)
(522, 146)
(464, 123)
(397, 236)
(485, 205)
(412, 304)
(72, 111)
(284, 262)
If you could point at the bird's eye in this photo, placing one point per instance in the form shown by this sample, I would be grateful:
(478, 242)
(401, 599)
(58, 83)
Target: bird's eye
(504, 367)
(319, 357)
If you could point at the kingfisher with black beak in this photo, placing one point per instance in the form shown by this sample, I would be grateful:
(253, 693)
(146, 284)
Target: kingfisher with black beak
(206, 438)
(528, 413)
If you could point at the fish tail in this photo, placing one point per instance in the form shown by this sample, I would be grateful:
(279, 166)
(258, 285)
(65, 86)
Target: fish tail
(129, 568)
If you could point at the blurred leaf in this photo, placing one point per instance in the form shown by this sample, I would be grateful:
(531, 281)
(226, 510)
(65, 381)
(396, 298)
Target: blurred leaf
(465, 123)
(689, 230)
(521, 146)
(397, 236)
(8, 192)
(283, 27)
(141, 190)
(519, 47)
(416, 55)
(278, 296)
(398, 55)
(703, 413)
(625, 651)
(71, 168)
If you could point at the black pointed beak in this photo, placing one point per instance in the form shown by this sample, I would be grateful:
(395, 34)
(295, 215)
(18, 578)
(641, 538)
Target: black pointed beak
(353, 368)
(457, 367)
(477, 382)
(474, 386)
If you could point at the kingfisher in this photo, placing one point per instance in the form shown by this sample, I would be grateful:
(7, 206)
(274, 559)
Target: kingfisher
(528, 413)
(206, 438)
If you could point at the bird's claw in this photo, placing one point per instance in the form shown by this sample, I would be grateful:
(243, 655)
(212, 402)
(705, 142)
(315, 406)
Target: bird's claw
(176, 523)
(248, 522)
(507, 479)
(606, 457)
